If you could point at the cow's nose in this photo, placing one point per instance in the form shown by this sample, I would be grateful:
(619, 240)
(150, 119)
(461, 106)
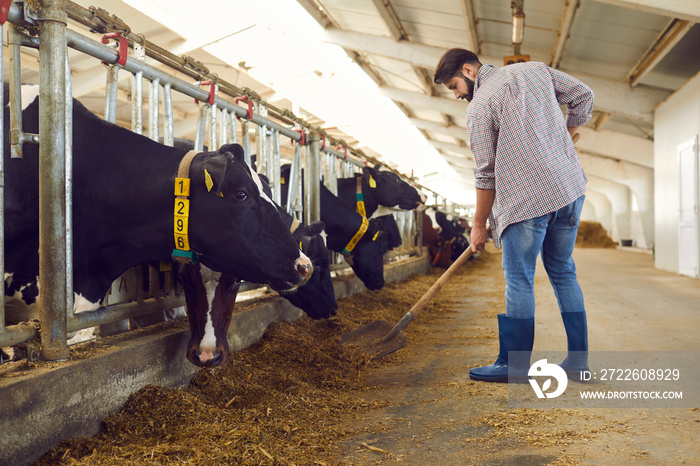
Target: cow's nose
(304, 268)
(209, 357)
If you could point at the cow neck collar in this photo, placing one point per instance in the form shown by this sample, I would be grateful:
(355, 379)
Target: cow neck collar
(182, 252)
(360, 198)
(347, 250)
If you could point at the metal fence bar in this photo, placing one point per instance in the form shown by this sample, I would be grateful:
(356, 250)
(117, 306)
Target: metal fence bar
(276, 169)
(2, 179)
(201, 128)
(168, 120)
(68, 151)
(153, 110)
(52, 183)
(312, 180)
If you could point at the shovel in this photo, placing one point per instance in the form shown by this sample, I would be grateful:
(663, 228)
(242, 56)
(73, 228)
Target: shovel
(379, 338)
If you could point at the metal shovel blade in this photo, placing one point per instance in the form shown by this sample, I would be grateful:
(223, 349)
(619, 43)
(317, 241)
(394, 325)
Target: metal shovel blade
(370, 339)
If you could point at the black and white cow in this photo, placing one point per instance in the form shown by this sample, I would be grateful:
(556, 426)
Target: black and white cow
(342, 223)
(123, 203)
(380, 188)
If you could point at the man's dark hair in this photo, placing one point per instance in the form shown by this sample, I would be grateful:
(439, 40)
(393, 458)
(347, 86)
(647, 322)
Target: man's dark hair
(450, 64)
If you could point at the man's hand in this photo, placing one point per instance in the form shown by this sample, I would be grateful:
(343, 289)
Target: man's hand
(479, 238)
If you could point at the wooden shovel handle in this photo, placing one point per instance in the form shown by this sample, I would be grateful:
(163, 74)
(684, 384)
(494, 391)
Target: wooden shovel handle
(440, 282)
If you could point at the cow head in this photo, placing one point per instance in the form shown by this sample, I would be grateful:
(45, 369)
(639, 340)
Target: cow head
(367, 259)
(236, 228)
(391, 191)
(210, 298)
(317, 297)
(450, 227)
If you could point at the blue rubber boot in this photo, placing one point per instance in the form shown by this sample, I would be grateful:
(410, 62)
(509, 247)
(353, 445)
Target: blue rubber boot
(577, 336)
(513, 335)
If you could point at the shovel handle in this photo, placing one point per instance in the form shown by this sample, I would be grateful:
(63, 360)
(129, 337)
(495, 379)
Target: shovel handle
(439, 283)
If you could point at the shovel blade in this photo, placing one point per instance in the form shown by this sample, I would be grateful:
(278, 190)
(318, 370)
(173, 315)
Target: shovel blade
(369, 339)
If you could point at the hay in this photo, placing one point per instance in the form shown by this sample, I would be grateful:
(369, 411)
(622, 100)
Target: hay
(288, 399)
(593, 235)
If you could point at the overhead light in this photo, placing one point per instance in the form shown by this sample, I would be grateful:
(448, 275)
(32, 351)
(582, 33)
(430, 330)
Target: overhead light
(518, 27)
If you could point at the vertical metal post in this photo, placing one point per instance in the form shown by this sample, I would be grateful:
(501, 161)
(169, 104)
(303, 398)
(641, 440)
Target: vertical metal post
(276, 169)
(312, 180)
(168, 123)
(213, 145)
(68, 96)
(111, 93)
(232, 132)
(246, 140)
(201, 128)
(137, 92)
(269, 156)
(52, 182)
(223, 137)
(16, 135)
(2, 181)
(153, 112)
(294, 185)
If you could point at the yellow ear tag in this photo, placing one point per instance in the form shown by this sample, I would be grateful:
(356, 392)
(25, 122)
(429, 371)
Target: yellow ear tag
(374, 238)
(221, 194)
(372, 183)
(207, 180)
(281, 180)
(300, 246)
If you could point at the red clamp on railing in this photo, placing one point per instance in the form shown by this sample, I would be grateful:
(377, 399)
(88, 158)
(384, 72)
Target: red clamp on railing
(4, 10)
(323, 142)
(123, 46)
(346, 151)
(302, 133)
(250, 105)
(212, 91)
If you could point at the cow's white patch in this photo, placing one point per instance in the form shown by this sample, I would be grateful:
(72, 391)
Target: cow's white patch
(430, 212)
(258, 183)
(29, 93)
(81, 304)
(384, 210)
(210, 280)
(325, 237)
(16, 309)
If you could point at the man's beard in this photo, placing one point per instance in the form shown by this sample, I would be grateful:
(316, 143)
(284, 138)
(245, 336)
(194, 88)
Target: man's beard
(470, 89)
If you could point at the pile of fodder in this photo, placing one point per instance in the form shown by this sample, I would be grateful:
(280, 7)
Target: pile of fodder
(593, 235)
(288, 399)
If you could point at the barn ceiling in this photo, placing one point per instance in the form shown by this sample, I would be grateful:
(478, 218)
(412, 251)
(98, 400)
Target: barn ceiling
(633, 53)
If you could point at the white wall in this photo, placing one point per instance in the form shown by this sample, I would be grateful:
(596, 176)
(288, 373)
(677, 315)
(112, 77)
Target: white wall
(675, 121)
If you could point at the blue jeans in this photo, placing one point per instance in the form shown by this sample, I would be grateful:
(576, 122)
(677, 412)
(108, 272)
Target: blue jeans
(553, 235)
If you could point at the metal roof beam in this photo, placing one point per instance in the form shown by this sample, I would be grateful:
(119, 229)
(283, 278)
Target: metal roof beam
(669, 37)
(426, 56)
(567, 19)
(683, 9)
(462, 152)
(470, 22)
(618, 146)
(456, 132)
(391, 19)
(619, 99)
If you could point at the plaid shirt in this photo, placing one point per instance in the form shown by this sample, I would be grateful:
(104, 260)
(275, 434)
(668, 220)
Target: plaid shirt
(520, 142)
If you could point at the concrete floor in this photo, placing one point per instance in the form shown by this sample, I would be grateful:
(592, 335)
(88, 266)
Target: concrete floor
(437, 415)
(631, 305)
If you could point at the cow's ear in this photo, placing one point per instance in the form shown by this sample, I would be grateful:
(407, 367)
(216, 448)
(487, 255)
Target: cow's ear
(371, 175)
(214, 170)
(234, 149)
(378, 166)
(315, 228)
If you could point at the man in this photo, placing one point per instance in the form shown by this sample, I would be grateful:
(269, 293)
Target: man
(530, 186)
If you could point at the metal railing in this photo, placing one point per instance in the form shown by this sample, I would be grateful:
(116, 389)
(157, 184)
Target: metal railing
(225, 118)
